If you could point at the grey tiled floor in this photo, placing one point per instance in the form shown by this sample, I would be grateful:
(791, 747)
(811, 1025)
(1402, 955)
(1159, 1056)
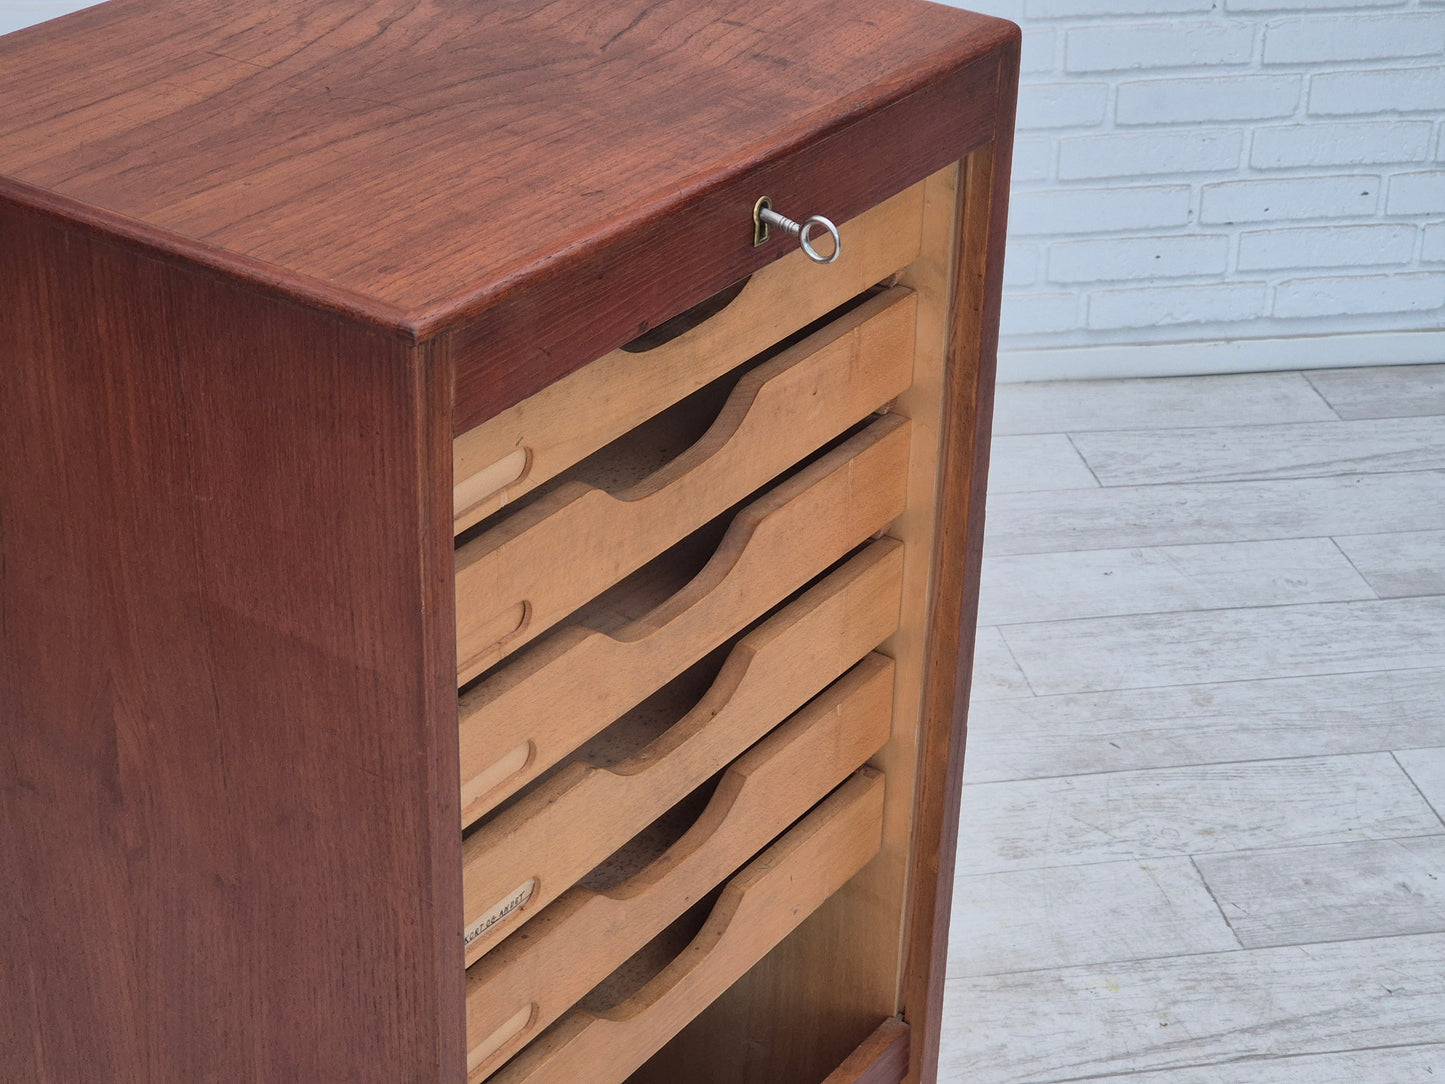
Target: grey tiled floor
(1201, 838)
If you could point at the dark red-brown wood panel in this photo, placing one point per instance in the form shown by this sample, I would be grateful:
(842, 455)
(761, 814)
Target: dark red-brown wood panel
(227, 726)
(623, 284)
(551, 177)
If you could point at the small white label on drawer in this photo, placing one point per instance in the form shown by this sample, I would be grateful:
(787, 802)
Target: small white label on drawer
(509, 903)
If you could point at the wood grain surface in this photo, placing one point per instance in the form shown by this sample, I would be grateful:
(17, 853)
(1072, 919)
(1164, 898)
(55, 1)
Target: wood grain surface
(577, 415)
(958, 554)
(882, 1058)
(757, 908)
(227, 769)
(261, 262)
(777, 414)
(415, 165)
(541, 837)
(578, 941)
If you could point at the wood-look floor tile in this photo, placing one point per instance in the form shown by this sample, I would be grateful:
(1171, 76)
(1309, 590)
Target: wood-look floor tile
(1245, 453)
(1218, 575)
(1068, 915)
(1144, 650)
(1289, 749)
(1080, 733)
(1399, 391)
(1031, 463)
(1119, 517)
(1401, 564)
(995, 674)
(1033, 823)
(1340, 892)
(1393, 1065)
(1083, 1022)
(1078, 406)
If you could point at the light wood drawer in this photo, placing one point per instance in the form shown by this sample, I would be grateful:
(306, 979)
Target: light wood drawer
(533, 851)
(563, 690)
(527, 982)
(524, 446)
(621, 1024)
(539, 565)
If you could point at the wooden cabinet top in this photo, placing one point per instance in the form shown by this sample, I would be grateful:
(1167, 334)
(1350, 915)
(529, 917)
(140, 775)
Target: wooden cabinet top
(414, 165)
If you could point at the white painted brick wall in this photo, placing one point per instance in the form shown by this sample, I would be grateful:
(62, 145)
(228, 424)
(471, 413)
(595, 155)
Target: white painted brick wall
(1353, 37)
(1178, 45)
(1326, 246)
(1384, 91)
(1352, 144)
(1197, 170)
(1433, 249)
(1120, 258)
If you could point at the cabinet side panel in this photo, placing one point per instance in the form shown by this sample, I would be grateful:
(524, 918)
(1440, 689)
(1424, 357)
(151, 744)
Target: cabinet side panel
(958, 554)
(222, 720)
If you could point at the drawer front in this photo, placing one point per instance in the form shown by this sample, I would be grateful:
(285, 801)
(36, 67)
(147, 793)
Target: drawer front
(606, 1039)
(524, 984)
(528, 573)
(544, 704)
(522, 447)
(517, 863)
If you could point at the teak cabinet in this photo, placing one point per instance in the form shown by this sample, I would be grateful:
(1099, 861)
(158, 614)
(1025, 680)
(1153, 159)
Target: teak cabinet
(469, 611)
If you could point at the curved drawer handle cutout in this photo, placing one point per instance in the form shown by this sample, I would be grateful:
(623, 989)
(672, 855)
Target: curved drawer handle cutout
(774, 671)
(771, 549)
(756, 910)
(686, 320)
(776, 415)
(594, 927)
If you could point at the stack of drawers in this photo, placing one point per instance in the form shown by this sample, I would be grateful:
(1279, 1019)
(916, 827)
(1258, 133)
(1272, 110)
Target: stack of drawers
(673, 574)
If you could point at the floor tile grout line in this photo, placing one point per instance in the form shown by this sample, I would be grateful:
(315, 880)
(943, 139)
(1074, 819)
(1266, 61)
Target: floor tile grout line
(1379, 534)
(987, 557)
(1315, 388)
(1203, 764)
(1432, 834)
(1116, 486)
(1231, 681)
(1017, 665)
(1336, 419)
(1203, 880)
(1331, 423)
(1084, 460)
(1253, 481)
(994, 556)
(1213, 764)
(1372, 597)
(1269, 477)
(1237, 1059)
(1193, 955)
(1375, 600)
(1205, 542)
(1439, 815)
(1350, 561)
